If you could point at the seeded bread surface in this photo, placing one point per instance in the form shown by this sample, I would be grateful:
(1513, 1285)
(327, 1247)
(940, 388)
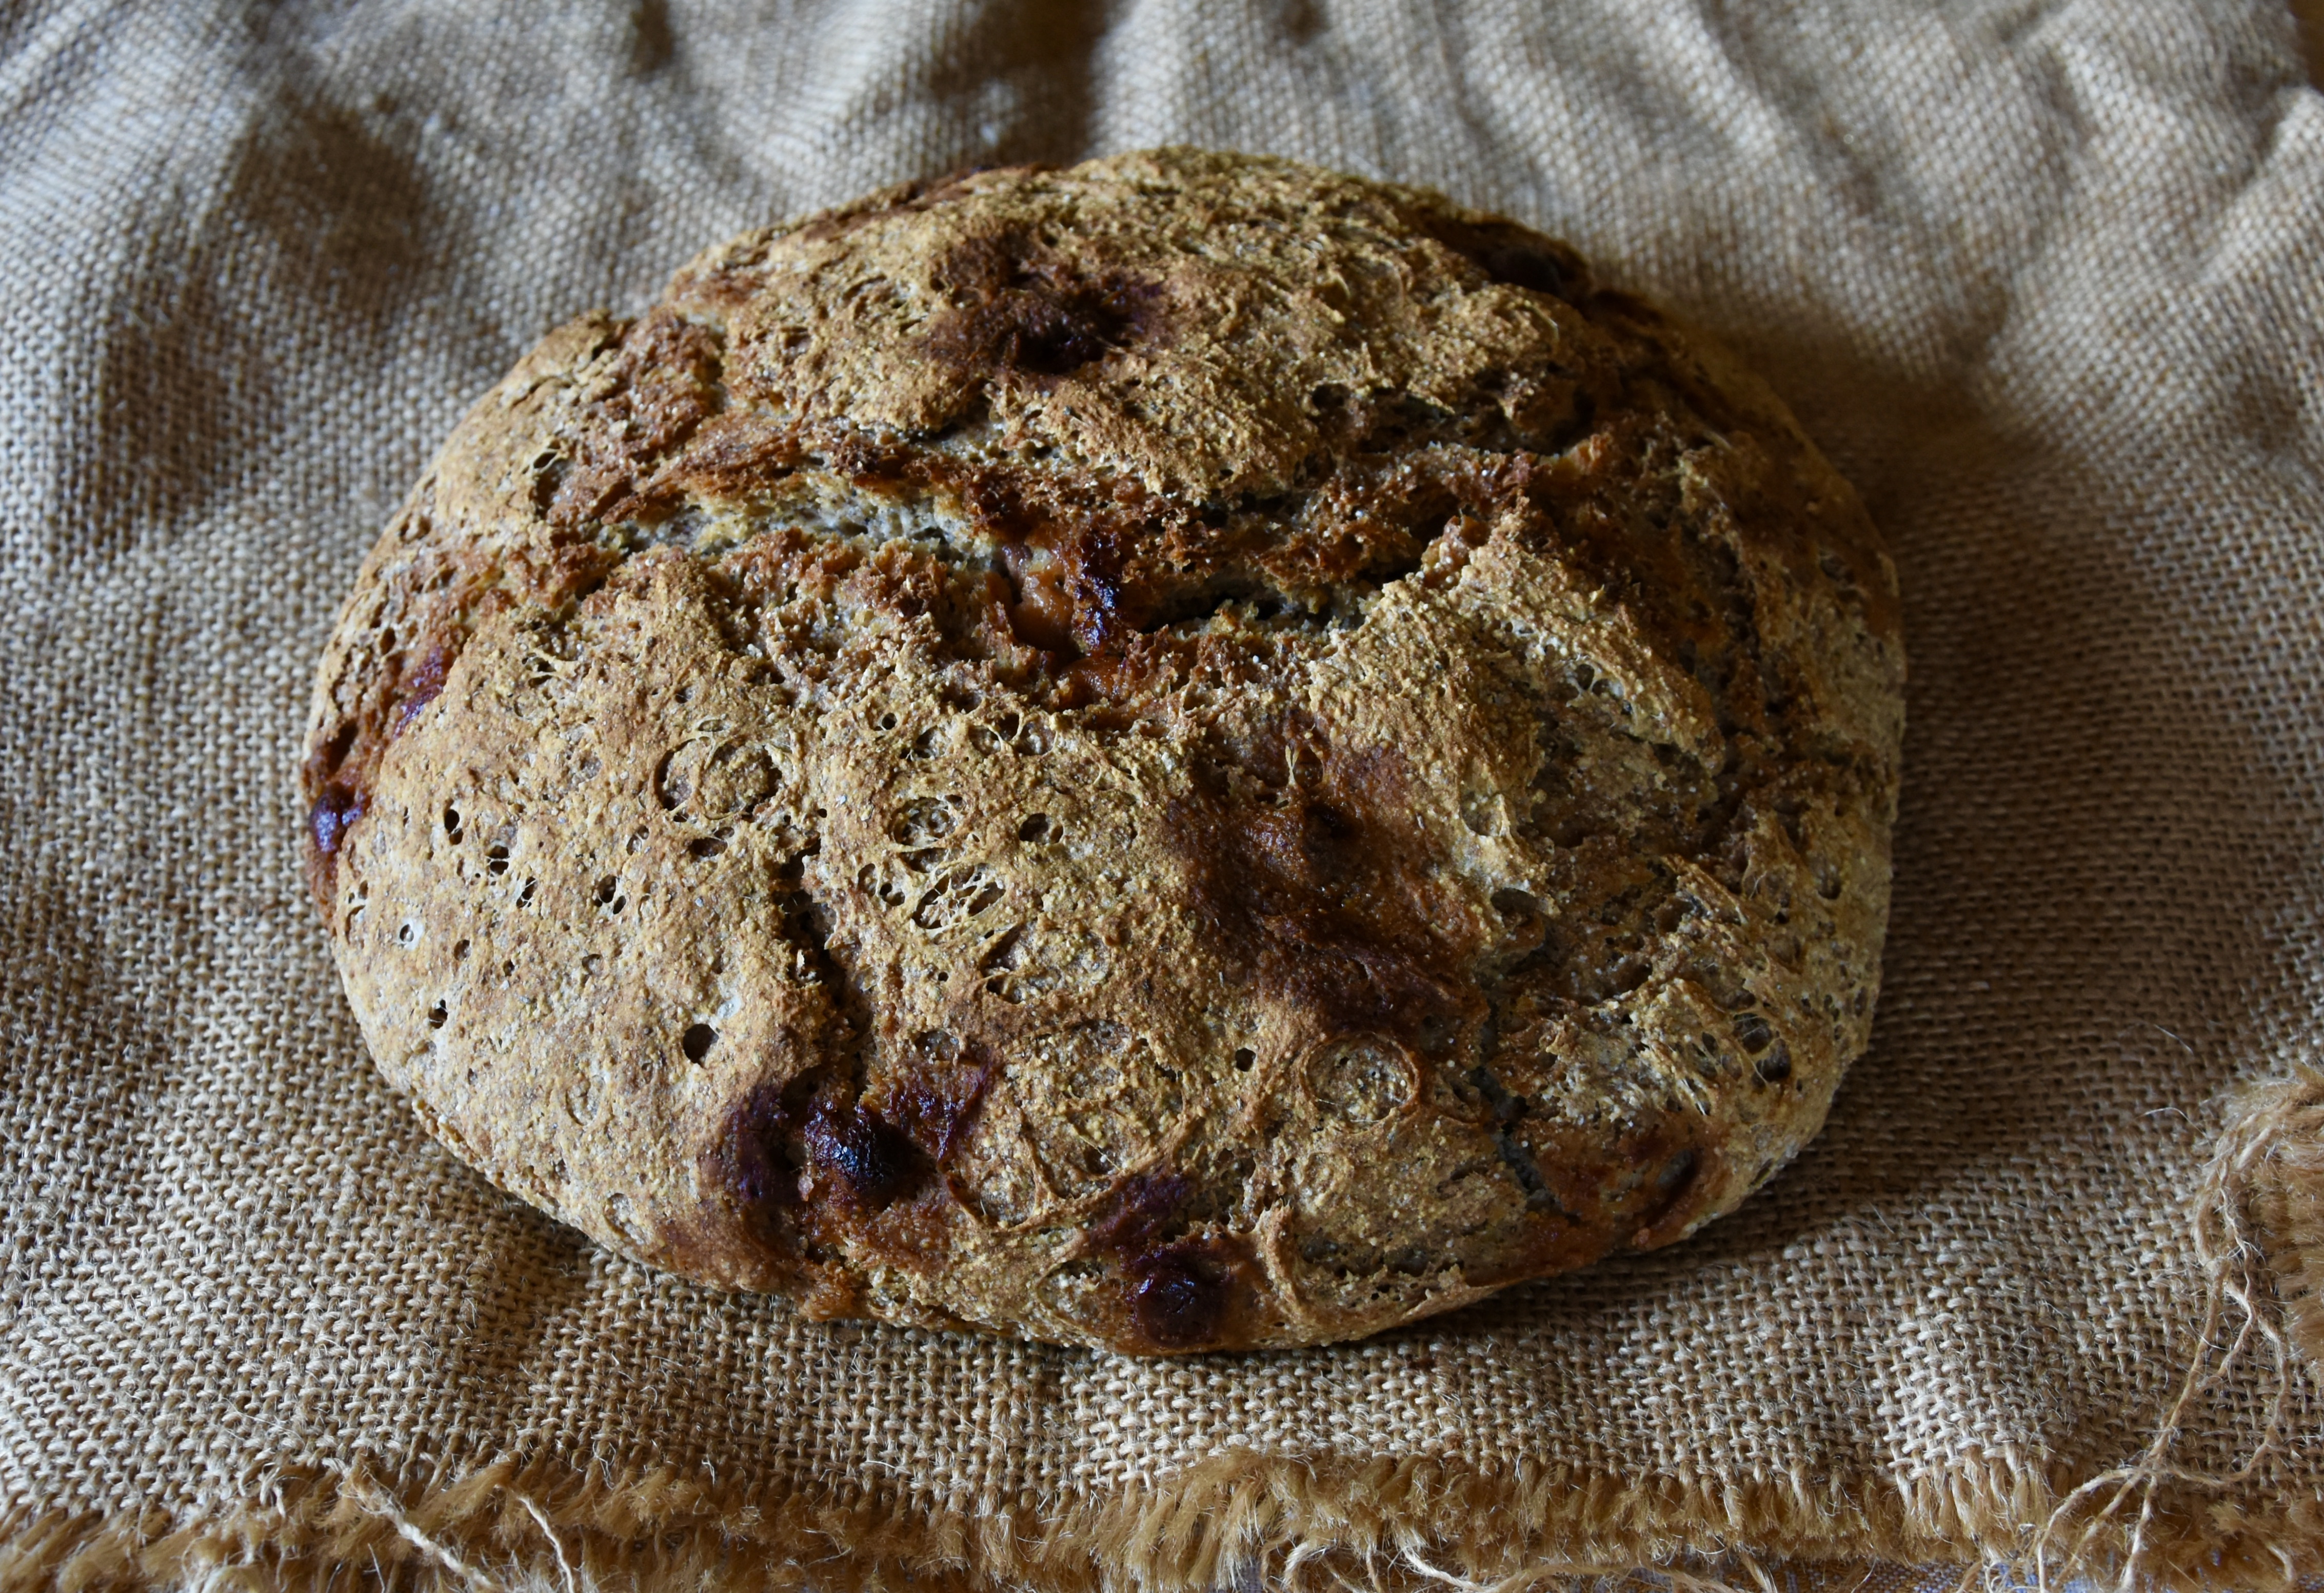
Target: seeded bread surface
(1185, 753)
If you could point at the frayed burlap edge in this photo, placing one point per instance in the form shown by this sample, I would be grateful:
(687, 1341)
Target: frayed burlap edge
(1244, 1520)
(1236, 1520)
(2286, 1178)
(2263, 1162)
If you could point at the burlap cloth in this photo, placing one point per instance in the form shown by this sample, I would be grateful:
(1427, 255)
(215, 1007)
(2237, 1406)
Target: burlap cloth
(2047, 280)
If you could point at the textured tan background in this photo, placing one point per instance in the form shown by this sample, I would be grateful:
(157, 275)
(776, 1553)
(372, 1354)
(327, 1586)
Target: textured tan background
(2043, 278)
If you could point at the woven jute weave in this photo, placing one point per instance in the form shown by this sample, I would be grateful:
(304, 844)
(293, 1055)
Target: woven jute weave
(2047, 281)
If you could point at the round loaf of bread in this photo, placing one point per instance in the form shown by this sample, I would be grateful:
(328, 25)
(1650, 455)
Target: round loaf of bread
(1185, 753)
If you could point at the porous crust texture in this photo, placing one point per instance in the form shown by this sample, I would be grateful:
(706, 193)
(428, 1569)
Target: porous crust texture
(1182, 754)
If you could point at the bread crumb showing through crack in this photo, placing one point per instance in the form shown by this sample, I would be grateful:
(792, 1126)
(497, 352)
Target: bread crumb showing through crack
(1187, 753)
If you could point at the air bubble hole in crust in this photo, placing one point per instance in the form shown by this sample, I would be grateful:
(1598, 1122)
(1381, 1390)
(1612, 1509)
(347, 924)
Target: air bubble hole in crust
(955, 898)
(924, 819)
(868, 879)
(1035, 829)
(697, 1041)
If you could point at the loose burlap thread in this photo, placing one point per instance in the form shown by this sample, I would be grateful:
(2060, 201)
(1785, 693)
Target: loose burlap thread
(2044, 280)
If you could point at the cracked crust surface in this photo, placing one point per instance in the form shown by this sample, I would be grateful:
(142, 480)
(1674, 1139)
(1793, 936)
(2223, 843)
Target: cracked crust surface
(1185, 753)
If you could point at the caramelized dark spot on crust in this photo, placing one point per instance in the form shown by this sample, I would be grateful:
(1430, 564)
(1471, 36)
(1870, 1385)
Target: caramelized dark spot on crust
(1141, 1212)
(324, 765)
(1040, 608)
(937, 1106)
(423, 684)
(336, 809)
(1086, 570)
(1321, 892)
(1178, 1296)
(1103, 607)
(1179, 1290)
(1019, 310)
(336, 795)
(869, 1163)
(759, 1169)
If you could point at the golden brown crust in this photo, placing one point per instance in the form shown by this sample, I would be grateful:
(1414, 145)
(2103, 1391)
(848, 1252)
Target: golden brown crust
(1184, 753)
